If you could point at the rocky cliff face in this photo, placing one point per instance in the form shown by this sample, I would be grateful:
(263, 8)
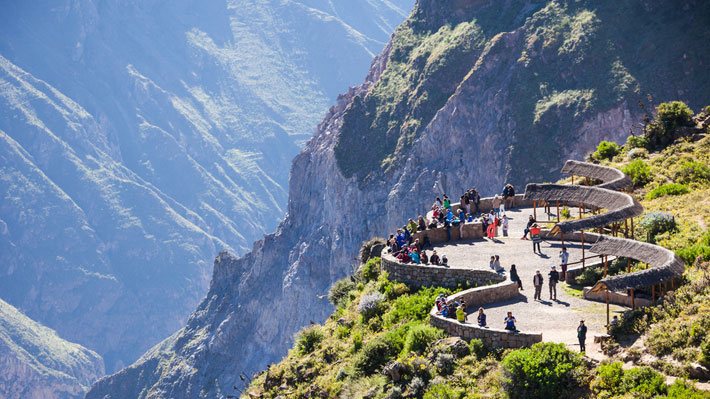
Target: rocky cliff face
(466, 93)
(137, 140)
(47, 366)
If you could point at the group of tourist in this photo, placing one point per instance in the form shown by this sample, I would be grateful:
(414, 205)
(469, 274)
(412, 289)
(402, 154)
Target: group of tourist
(451, 309)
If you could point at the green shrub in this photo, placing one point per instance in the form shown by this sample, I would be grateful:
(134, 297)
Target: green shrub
(667, 189)
(371, 305)
(701, 248)
(705, 353)
(643, 382)
(682, 389)
(420, 336)
(357, 341)
(444, 363)
(477, 348)
(669, 117)
(606, 150)
(639, 172)
(607, 383)
(546, 370)
(636, 153)
(414, 306)
(591, 275)
(674, 114)
(372, 357)
(308, 340)
(443, 391)
(638, 142)
(565, 213)
(692, 172)
(656, 223)
(371, 270)
(338, 293)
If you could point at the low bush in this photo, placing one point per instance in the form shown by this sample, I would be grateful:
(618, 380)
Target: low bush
(641, 142)
(477, 348)
(682, 389)
(656, 223)
(308, 340)
(606, 150)
(420, 336)
(607, 382)
(643, 383)
(701, 248)
(372, 357)
(669, 116)
(545, 370)
(357, 341)
(370, 305)
(667, 189)
(639, 172)
(443, 391)
(338, 293)
(371, 270)
(591, 275)
(444, 363)
(692, 172)
(636, 153)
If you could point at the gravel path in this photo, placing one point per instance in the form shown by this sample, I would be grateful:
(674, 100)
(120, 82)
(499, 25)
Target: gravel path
(557, 320)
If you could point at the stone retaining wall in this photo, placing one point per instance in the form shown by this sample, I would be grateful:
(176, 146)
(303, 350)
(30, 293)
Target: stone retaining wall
(427, 275)
(491, 337)
(616, 298)
(473, 230)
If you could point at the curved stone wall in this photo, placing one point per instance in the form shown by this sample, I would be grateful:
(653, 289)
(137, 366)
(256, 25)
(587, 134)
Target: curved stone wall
(427, 275)
(491, 337)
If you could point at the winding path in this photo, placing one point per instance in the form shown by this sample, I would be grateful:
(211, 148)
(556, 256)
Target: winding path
(550, 320)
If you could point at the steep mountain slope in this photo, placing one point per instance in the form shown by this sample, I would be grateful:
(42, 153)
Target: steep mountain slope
(140, 139)
(51, 366)
(466, 93)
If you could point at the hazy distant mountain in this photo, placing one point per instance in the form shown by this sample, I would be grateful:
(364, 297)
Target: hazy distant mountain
(48, 366)
(140, 138)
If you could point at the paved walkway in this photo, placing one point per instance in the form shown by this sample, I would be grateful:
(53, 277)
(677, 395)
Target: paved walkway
(557, 320)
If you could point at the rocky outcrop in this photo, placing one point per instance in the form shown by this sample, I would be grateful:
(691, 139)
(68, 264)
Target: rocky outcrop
(36, 364)
(536, 89)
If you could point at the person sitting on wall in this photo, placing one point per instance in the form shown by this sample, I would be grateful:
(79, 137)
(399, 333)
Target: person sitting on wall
(400, 238)
(421, 223)
(404, 256)
(434, 258)
(438, 203)
(461, 215)
(447, 202)
(514, 277)
(417, 245)
(414, 256)
(496, 265)
(407, 235)
(460, 314)
(469, 218)
(444, 261)
(412, 226)
(423, 257)
(510, 322)
(481, 318)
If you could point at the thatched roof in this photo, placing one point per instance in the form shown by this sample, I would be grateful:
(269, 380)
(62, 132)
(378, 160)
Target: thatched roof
(665, 265)
(620, 206)
(613, 178)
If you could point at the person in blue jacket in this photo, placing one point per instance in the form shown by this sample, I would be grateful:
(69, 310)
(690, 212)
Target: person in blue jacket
(401, 239)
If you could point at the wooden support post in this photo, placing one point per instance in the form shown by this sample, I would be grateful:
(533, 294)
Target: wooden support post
(632, 229)
(628, 265)
(673, 284)
(558, 210)
(582, 231)
(626, 228)
(606, 257)
(633, 300)
(607, 310)
(535, 209)
(580, 210)
(572, 179)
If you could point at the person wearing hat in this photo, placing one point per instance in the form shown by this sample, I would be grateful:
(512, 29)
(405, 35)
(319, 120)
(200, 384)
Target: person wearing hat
(582, 335)
(537, 282)
(554, 278)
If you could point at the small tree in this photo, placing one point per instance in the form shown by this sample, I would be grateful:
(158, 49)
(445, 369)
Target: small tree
(606, 150)
(639, 172)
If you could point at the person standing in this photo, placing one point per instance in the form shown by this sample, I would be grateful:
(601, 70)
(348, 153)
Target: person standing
(476, 201)
(564, 257)
(554, 278)
(509, 196)
(537, 282)
(481, 318)
(504, 225)
(536, 238)
(491, 230)
(514, 277)
(582, 335)
(460, 314)
(497, 205)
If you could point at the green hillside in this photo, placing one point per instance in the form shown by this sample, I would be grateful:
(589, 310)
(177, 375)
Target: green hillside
(380, 324)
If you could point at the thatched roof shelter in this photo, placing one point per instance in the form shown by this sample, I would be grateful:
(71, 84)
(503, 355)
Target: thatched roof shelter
(613, 178)
(665, 265)
(620, 206)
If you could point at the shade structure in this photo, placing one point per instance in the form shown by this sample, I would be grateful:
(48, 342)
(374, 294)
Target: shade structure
(665, 265)
(612, 178)
(620, 206)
